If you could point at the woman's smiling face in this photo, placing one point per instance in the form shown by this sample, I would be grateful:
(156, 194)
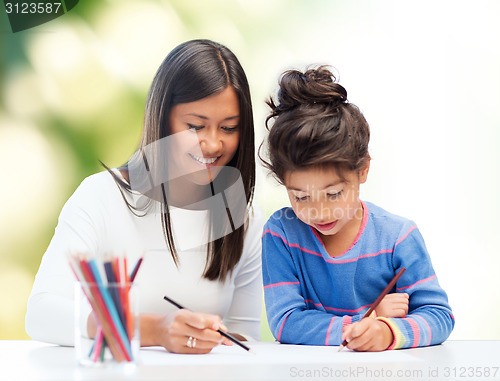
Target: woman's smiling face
(207, 136)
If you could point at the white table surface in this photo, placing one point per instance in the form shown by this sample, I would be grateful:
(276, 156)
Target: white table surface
(453, 360)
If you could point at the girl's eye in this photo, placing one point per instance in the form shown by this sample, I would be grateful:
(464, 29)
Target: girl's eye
(194, 127)
(334, 196)
(303, 198)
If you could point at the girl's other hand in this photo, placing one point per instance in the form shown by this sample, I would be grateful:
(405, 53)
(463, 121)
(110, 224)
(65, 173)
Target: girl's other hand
(393, 306)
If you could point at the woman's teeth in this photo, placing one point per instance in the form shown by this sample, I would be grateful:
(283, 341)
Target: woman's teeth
(204, 160)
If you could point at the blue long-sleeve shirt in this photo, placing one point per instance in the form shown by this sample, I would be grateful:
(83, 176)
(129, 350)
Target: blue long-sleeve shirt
(310, 296)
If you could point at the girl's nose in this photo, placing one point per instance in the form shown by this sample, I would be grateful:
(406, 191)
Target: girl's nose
(320, 212)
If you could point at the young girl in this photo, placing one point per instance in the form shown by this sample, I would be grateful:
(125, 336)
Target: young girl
(326, 259)
(194, 171)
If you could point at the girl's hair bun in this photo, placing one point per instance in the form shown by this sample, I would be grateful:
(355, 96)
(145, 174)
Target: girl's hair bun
(314, 86)
(313, 124)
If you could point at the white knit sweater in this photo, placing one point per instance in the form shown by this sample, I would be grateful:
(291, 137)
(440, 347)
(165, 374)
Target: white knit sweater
(96, 220)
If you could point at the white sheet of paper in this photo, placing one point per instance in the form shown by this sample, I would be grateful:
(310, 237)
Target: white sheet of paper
(273, 354)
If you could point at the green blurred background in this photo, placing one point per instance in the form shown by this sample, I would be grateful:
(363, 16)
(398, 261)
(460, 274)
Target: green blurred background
(426, 75)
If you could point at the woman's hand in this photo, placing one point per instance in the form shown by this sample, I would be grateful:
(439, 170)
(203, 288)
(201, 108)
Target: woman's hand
(368, 335)
(183, 331)
(173, 331)
(393, 306)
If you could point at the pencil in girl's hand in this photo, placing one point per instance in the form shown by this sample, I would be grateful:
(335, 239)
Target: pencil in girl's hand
(226, 335)
(379, 299)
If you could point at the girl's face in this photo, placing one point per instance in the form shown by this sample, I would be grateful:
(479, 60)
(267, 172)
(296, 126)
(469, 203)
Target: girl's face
(323, 200)
(208, 135)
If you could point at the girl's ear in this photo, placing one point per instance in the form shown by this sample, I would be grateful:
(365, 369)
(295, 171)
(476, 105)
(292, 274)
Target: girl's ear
(363, 173)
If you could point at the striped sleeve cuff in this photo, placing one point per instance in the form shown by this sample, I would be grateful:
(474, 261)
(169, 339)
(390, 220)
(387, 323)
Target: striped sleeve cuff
(399, 339)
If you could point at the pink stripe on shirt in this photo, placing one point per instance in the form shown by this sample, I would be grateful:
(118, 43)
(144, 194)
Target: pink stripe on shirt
(428, 328)
(414, 284)
(405, 235)
(416, 332)
(337, 309)
(344, 310)
(281, 284)
(328, 331)
(387, 251)
(281, 328)
(346, 321)
(291, 244)
(362, 256)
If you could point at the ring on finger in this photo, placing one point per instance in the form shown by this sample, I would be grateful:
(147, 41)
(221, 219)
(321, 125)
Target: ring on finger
(190, 343)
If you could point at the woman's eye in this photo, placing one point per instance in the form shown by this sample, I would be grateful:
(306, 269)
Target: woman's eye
(194, 127)
(230, 129)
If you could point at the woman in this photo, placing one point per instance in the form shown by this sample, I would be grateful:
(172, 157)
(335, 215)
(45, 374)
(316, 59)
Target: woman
(184, 201)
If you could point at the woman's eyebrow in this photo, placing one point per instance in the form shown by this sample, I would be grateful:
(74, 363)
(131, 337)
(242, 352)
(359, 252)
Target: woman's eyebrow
(206, 118)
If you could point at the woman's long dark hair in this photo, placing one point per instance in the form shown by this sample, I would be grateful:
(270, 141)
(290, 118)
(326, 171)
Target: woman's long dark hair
(192, 71)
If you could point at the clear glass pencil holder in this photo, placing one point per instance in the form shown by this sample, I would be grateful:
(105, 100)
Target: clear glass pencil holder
(114, 307)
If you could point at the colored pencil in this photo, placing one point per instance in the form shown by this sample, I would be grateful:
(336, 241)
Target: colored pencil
(83, 276)
(386, 290)
(108, 268)
(226, 335)
(136, 269)
(112, 272)
(102, 314)
(110, 309)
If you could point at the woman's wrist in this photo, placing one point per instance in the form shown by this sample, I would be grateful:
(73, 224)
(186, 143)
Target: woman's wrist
(91, 326)
(150, 329)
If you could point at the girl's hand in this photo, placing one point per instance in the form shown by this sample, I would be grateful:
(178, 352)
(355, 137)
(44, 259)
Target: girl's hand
(368, 335)
(393, 306)
(174, 331)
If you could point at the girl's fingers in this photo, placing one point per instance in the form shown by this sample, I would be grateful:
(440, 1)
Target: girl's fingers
(346, 332)
(354, 330)
(368, 335)
(404, 298)
(358, 343)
